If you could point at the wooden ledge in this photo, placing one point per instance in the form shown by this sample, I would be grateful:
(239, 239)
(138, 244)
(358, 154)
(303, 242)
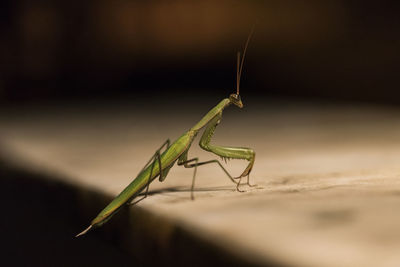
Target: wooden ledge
(327, 195)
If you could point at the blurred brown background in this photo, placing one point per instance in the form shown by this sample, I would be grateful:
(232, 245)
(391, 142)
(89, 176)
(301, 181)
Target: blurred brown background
(335, 50)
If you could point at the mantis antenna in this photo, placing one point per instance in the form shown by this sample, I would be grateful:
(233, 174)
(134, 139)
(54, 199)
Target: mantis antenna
(237, 73)
(240, 61)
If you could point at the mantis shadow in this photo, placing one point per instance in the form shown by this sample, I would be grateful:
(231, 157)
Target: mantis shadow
(177, 189)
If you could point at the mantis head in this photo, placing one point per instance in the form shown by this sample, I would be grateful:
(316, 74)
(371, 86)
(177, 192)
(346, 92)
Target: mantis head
(235, 99)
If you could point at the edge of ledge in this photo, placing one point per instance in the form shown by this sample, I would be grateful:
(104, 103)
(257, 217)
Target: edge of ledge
(145, 237)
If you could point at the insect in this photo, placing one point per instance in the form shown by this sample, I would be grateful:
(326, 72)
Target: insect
(162, 161)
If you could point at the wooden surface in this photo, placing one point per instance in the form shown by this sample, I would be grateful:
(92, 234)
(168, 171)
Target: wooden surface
(328, 176)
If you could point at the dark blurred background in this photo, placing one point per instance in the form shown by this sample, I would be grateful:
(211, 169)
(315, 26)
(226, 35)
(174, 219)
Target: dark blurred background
(331, 50)
(153, 51)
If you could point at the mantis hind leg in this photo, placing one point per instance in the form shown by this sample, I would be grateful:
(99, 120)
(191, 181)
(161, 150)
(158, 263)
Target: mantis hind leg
(228, 152)
(166, 143)
(185, 162)
(152, 161)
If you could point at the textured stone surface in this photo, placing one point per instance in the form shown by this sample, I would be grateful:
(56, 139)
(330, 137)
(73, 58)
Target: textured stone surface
(328, 177)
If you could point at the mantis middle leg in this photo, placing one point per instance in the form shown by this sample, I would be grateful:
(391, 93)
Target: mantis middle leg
(227, 152)
(185, 162)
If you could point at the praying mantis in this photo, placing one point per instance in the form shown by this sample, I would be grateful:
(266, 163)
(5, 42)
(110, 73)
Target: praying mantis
(162, 161)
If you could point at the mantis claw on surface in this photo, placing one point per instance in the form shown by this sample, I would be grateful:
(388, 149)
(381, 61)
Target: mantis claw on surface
(177, 152)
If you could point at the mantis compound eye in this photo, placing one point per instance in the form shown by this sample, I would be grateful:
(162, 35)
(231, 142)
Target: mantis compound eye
(234, 96)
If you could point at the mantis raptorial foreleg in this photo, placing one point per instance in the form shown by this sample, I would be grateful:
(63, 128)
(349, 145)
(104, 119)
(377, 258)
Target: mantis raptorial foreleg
(227, 152)
(185, 162)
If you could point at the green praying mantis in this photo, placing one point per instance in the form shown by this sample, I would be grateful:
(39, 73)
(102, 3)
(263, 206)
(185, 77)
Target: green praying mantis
(162, 161)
